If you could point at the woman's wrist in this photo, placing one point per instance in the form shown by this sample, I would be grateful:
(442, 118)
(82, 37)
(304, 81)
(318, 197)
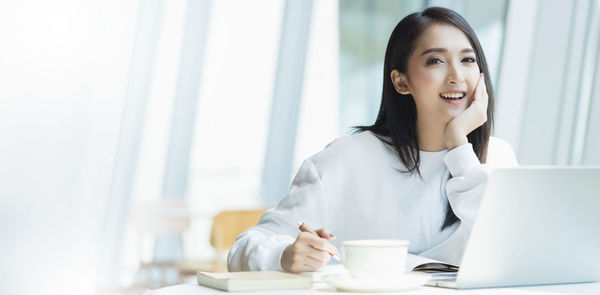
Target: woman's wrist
(456, 142)
(454, 137)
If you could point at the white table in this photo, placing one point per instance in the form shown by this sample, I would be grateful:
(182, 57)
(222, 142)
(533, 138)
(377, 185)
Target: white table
(323, 288)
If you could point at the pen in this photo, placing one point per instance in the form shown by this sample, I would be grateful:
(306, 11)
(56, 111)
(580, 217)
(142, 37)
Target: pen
(307, 229)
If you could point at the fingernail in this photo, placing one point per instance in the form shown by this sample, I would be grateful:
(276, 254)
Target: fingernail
(332, 235)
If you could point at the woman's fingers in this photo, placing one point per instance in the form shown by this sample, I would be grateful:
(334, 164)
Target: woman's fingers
(478, 108)
(322, 245)
(325, 234)
(478, 89)
(484, 94)
(483, 97)
(307, 258)
(308, 253)
(316, 247)
(305, 250)
(317, 243)
(319, 255)
(483, 100)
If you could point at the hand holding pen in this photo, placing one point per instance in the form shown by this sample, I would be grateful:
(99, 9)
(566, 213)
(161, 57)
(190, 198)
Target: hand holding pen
(310, 251)
(322, 233)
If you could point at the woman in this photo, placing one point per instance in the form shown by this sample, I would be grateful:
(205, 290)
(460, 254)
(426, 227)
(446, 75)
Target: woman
(418, 173)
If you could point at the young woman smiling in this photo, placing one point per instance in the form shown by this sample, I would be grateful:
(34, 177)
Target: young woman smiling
(418, 173)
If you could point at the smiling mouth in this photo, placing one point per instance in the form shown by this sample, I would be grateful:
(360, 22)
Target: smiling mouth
(453, 95)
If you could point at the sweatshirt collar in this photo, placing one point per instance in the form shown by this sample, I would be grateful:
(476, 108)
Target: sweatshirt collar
(425, 157)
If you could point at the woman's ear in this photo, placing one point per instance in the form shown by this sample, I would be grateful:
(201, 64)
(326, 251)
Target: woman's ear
(400, 82)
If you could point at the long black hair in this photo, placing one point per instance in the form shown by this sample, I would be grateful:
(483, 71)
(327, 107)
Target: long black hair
(397, 118)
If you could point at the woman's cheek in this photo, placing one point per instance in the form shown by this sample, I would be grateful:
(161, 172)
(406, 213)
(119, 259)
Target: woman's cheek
(425, 75)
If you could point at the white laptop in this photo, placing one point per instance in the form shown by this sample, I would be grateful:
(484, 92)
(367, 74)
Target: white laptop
(536, 225)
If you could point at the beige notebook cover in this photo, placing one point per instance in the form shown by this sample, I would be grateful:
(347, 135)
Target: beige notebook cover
(252, 280)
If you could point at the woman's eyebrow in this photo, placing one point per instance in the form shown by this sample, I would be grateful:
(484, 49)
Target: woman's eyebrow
(443, 50)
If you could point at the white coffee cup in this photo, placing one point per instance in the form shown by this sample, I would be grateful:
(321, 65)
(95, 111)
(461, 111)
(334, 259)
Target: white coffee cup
(375, 259)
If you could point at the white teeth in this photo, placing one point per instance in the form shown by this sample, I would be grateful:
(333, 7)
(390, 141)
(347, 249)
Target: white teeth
(452, 95)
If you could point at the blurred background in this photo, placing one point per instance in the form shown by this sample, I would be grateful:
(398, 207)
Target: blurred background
(136, 134)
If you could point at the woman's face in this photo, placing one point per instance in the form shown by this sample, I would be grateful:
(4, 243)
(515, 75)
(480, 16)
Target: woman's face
(442, 73)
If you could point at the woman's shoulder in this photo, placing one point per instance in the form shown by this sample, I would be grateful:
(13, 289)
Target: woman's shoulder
(363, 139)
(500, 153)
(349, 147)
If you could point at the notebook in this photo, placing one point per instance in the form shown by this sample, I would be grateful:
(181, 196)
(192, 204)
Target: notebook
(438, 270)
(252, 280)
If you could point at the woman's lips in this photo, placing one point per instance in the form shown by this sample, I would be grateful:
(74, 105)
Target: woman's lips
(453, 97)
(453, 100)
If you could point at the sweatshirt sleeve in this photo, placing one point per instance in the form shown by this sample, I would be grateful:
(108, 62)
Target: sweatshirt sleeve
(465, 190)
(260, 247)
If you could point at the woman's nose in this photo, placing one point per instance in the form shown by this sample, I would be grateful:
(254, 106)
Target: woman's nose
(455, 75)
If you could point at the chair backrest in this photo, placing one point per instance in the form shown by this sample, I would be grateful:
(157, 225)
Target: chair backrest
(227, 225)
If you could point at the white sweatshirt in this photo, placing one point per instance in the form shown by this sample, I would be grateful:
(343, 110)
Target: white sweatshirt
(353, 188)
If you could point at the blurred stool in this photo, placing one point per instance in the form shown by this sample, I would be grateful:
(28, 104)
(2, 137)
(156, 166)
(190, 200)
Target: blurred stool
(153, 220)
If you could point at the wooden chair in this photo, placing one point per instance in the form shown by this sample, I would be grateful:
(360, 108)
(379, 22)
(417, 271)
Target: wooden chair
(171, 217)
(226, 227)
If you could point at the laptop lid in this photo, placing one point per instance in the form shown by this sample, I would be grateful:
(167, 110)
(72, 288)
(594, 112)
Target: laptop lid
(535, 225)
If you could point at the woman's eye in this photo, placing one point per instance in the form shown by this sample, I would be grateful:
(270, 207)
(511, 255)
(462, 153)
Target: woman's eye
(434, 60)
(469, 59)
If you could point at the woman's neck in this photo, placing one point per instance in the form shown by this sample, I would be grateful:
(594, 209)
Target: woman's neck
(431, 136)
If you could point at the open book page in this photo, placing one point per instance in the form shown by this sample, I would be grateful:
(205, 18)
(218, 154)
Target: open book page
(424, 264)
(412, 261)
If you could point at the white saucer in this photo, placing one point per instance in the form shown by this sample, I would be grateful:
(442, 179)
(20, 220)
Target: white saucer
(406, 282)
